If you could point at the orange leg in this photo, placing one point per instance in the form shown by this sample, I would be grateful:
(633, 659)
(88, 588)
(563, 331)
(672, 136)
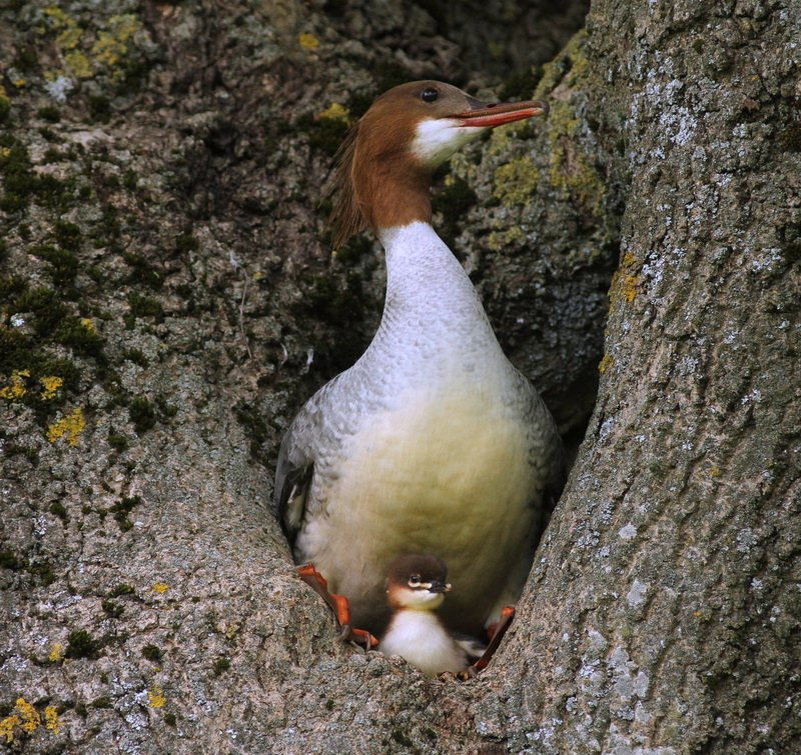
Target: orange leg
(496, 632)
(339, 605)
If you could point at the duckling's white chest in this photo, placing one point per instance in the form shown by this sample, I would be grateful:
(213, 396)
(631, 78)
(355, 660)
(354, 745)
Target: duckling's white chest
(420, 638)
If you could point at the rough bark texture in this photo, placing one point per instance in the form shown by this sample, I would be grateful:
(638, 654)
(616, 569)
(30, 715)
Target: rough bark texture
(168, 299)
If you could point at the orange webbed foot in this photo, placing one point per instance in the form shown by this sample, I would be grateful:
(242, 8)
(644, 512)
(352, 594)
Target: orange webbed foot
(495, 632)
(339, 605)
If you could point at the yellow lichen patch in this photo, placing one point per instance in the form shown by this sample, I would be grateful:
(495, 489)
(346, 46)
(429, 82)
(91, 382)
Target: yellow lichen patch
(110, 46)
(52, 721)
(515, 182)
(335, 112)
(88, 325)
(29, 715)
(160, 588)
(714, 471)
(50, 386)
(17, 388)
(630, 287)
(497, 240)
(7, 726)
(70, 426)
(605, 363)
(4, 151)
(308, 41)
(624, 283)
(70, 37)
(56, 653)
(155, 697)
(79, 65)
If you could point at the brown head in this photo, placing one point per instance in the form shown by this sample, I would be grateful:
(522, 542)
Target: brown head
(417, 582)
(385, 164)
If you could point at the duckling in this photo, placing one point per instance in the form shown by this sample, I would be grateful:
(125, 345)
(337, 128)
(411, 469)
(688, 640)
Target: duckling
(416, 587)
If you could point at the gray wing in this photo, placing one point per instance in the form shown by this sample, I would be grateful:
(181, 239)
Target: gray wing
(547, 452)
(295, 469)
(309, 442)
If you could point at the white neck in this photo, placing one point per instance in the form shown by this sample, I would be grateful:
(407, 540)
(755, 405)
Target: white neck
(421, 269)
(433, 329)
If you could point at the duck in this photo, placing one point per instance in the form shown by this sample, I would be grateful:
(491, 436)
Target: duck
(432, 442)
(416, 587)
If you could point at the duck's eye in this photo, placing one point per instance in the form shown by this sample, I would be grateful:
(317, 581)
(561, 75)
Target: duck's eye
(414, 580)
(429, 94)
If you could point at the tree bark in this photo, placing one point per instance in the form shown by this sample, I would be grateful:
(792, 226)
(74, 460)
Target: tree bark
(168, 299)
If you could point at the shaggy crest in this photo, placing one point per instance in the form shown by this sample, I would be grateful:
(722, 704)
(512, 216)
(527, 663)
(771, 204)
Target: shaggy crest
(346, 218)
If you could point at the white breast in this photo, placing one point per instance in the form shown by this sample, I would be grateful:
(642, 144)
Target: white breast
(420, 638)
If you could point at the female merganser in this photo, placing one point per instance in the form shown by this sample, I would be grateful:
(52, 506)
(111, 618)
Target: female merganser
(416, 587)
(432, 442)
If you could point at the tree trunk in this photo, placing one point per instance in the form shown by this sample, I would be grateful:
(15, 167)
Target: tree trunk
(168, 299)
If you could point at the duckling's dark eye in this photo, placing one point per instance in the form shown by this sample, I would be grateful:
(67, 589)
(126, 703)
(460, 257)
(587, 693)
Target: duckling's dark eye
(414, 580)
(429, 94)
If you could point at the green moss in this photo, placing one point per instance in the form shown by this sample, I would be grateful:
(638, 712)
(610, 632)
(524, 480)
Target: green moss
(144, 306)
(142, 413)
(221, 665)
(9, 560)
(118, 442)
(142, 271)
(59, 510)
(101, 702)
(100, 107)
(170, 719)
(122, 589)
(22, 184)
(63, 264)
(166, 409)
(82, 339)
(401, 738)
(52, 155)
(26, 58)
(17, 449)
(114, 610)
(135, 356)
(11, 286)
(256, 427)
(130, 180)
(49, 113)
(67, 235)
(47, 309)
(5, 110)
(43, 570)
(186, 242)
(152, 653)
(122, 509)
(21, 350)
(81, 644)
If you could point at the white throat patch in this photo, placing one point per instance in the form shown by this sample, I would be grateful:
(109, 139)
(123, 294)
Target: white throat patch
(436, 139)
